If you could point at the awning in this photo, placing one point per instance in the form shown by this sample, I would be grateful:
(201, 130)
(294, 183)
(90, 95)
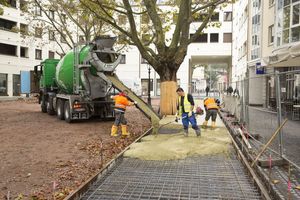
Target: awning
(288, 56)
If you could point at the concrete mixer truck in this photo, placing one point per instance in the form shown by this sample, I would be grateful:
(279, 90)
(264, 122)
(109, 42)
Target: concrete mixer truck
(76, 87)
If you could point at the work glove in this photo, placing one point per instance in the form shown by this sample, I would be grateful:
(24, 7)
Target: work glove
(190, 114)
(176, 115)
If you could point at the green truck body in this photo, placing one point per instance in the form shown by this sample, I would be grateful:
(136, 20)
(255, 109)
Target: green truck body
(48, 80)
(76, 87)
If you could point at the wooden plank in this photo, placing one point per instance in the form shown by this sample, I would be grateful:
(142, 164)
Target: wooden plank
(244, 139)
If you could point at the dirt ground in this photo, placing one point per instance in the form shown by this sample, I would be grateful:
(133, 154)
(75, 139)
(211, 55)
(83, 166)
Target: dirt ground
(42, 157)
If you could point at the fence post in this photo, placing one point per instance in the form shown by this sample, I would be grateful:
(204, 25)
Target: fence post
(279, 114)
(244, 101)
(247, 103)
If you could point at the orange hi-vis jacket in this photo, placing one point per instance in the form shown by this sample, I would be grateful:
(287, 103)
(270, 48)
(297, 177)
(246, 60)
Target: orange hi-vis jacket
(210, 103)
(121, 102)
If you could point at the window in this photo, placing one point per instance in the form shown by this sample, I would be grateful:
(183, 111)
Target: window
(7, 24)
(215, 17)
(38, 10)
(214, 37)
(38, 54)
(271, 2)
(244, 51)
(145, 19)
(16, 85)
(63, 38)
(227, 16)
(122, 19)
(145, 86)
(24, 52)
(63, 18)
(123, 59)
(3, 84)
(287, 22)
(51, 14)
(51, 35)
(271, 34)
(24, 29)
(12, 3)
(256, 33)
(51, 54)
(202, 38)
(38, 32)
(255, 53)
(227, 37)
(7, 49)
(23, 5)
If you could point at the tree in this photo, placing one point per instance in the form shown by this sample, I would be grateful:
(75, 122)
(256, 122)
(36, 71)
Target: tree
(68, 22)
(164, 53)
(213, 73)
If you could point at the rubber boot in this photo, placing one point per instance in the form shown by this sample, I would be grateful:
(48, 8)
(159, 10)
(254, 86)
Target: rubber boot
(213, 125)
(198, 132)
(204, 125)
(114, 131)
(124, 130)
(186, 132)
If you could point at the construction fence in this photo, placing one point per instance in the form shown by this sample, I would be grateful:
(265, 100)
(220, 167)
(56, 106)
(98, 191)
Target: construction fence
(261, 103)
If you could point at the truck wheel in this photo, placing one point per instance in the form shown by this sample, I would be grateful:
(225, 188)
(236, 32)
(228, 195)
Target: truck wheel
(60, 109)
(43, 104)
(49, 104)
(67, 112)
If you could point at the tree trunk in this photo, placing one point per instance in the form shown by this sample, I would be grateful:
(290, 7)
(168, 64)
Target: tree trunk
(168, 97)
(168, 86)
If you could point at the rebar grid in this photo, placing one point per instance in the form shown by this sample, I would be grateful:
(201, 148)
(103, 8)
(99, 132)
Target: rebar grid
(205, 177)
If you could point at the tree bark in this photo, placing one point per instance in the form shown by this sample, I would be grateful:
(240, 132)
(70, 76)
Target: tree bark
(168, 87)
(168, 97)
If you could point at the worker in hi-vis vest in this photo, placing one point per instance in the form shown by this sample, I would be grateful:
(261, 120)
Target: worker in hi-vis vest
(211, 106)
(185, 109)
(121, 102)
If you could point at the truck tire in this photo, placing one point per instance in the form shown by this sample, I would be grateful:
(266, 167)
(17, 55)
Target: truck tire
(43, 104)
(49, 104)
(67, 112)
(60, 109)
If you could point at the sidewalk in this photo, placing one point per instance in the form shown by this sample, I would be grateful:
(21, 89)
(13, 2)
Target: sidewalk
(6, 98)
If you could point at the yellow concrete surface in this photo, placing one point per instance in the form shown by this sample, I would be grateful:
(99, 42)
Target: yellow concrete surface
(177, 146)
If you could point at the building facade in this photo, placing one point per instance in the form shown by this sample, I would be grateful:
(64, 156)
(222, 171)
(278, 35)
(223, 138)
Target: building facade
(273, 43)
(239, 42)
(20, 52)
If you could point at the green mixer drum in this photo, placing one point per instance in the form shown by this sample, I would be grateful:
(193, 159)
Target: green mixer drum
(65, 68)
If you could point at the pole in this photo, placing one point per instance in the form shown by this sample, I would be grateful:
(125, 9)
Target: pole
(209, 77)
(149, 86)
(279, 114)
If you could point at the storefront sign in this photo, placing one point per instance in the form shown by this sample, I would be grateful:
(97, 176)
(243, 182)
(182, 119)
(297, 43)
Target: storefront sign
(259, 69)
